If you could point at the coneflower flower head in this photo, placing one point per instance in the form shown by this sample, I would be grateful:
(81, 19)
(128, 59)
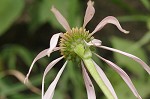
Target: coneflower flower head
(75, 44)
(71, 39)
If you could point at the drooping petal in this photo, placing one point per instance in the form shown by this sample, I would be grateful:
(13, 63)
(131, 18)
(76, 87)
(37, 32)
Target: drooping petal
(50, 91)
(105, 79)
(89, 13)
(53, 43)
(88, 84)
(60, 19)
(48, 68)
(109, 19)
(95, 42)
(144, 65)
(123, 74)
(39, 56)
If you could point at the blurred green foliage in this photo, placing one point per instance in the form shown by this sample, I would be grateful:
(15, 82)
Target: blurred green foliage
(42, 13)
(10, 10)
(35, 14)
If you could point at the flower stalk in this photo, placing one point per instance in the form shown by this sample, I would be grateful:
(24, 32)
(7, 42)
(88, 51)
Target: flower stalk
(91, 68)
(86, 56)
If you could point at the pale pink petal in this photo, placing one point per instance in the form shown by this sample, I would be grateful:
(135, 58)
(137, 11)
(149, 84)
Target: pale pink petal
(88, 84)
(53, 43)
(60, 18)
(124, 76)
(144, 65)
(95, 42)
(50, 91)
(40, 55)
(109, 19)
(89, 13)
(105, 80)
(48, 68)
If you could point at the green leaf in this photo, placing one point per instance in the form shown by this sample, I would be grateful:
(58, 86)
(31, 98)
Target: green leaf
(25, 96)
(1, 64)
(148, 24)
(42, 14)
(12, 61)
(131, 18)
(10, 53)
(10, 10)
(75, 76)
(23, 53)
(126, 62)
(124, 92)
(69, 9)
(123, 5)
(14, 88)
(144, 40)
(146, 3)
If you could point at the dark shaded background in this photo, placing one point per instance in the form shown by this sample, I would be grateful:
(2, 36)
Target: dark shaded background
(30, 30)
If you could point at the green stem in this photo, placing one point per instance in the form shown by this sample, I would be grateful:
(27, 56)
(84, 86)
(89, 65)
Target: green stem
(91, 68)
(86, 55)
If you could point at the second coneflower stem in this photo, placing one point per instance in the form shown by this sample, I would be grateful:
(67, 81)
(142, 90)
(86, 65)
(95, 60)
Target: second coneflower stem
(86, 55)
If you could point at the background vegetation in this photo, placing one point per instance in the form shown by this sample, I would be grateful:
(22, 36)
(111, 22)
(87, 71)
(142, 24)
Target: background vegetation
(26, 27)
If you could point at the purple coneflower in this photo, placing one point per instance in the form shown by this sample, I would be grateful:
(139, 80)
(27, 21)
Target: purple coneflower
(75, 44)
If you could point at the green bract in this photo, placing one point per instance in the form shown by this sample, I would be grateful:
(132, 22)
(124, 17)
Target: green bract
(71, 39)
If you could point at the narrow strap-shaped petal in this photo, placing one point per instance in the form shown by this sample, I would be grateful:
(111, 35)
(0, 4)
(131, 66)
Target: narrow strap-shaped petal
(60, 19)
(105, 79)
(39, 56)
(143, 64)
(89, 13)
(48, 68)
(50, 91)
(109, 19)
(123, 74)
(88, 83)
(53, 43)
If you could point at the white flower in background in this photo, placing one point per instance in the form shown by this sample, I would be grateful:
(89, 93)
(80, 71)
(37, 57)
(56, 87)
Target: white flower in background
(75, 44)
